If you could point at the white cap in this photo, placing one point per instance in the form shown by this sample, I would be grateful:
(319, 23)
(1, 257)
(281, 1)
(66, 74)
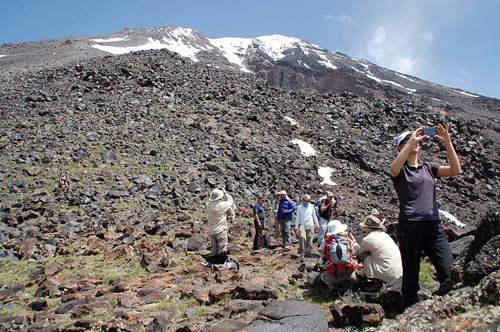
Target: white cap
(402, 136)
(335, 227)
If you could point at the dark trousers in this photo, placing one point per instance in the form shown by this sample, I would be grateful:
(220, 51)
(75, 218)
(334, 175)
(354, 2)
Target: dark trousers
(258, 240)
(414, 238)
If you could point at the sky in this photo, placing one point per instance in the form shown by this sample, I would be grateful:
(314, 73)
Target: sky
(455, 43)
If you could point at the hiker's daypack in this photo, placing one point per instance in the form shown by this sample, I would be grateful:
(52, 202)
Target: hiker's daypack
(216, 259)
(317, 206)
(219, 261)
(338, 254)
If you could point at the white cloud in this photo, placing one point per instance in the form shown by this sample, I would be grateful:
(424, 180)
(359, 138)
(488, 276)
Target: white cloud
(394, 49)
(492, 43)
(341, 18)
(427, 37)
(464, 76)
(379, 36)
(376, 46)
(404, 64)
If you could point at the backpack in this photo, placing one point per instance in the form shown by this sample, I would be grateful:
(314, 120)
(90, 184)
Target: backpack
(338, 254)
(317, 206)
(216, 259)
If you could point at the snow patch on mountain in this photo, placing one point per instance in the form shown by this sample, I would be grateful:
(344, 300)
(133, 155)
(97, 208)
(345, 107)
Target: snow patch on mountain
(326, 174)
(152, 44)
(110, 40)
(234, 49)
(305, 148)
(292, 121)
(326, 62)
(276, 45)
(407, 78)
(451, 218)
(370, 75)
(465, 93)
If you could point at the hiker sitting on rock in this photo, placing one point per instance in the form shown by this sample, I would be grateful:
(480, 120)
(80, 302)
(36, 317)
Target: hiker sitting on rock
(219, 205)
(379, 253)
(338, 257)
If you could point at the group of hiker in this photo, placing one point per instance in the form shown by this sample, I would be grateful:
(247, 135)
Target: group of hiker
(377, 259)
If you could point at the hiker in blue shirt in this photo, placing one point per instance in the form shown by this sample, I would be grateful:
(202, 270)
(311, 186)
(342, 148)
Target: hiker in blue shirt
(259, 219)
(286, 208)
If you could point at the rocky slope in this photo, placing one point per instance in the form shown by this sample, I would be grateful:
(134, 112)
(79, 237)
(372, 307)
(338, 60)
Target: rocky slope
(283, 61)
(145, 137)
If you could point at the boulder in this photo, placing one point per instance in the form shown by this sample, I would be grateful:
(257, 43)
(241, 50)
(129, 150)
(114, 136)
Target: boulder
(289, 315)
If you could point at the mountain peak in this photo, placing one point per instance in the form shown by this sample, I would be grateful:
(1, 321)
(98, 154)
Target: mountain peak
(283, 61)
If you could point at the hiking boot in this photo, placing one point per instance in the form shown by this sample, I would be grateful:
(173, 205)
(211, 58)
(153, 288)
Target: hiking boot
(444, 288)
(373, 286)
(312, 255)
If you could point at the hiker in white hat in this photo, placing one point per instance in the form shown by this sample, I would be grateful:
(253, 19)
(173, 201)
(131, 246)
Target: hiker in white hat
(338, 257)
(220, 205)
(286, 208)
(419, 226)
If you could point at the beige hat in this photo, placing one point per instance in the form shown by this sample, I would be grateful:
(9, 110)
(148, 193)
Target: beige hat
(372, 222)
(306, 198)
(374, 211)
(216, 195)
(335, 227)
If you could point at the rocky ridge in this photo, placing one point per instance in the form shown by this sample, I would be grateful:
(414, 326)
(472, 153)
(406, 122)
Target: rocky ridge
(283, 61)
(145, 137)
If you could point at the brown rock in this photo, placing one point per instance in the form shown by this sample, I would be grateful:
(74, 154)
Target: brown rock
(369, 314)
(151, 295)
(95, 247)
(83, 309)
(127, 300)
(27, 249)
(51, 268)
(120, 251)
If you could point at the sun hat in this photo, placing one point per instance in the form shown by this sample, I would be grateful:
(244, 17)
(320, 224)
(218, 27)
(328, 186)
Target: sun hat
(372, 222)
(335, 227)
(329, 194)
(306, 198)
(402, 136)
(374, 211)
(216, 195)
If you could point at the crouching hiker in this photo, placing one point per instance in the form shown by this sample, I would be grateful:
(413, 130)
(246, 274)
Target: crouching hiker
(338, 257)
(379, 253)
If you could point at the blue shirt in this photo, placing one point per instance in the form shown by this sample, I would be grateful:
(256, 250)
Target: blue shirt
(257, 208)
(288, 206)
(416, 189)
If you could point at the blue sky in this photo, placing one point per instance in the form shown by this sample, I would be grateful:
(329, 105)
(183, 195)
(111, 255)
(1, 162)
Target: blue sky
(455, 43)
